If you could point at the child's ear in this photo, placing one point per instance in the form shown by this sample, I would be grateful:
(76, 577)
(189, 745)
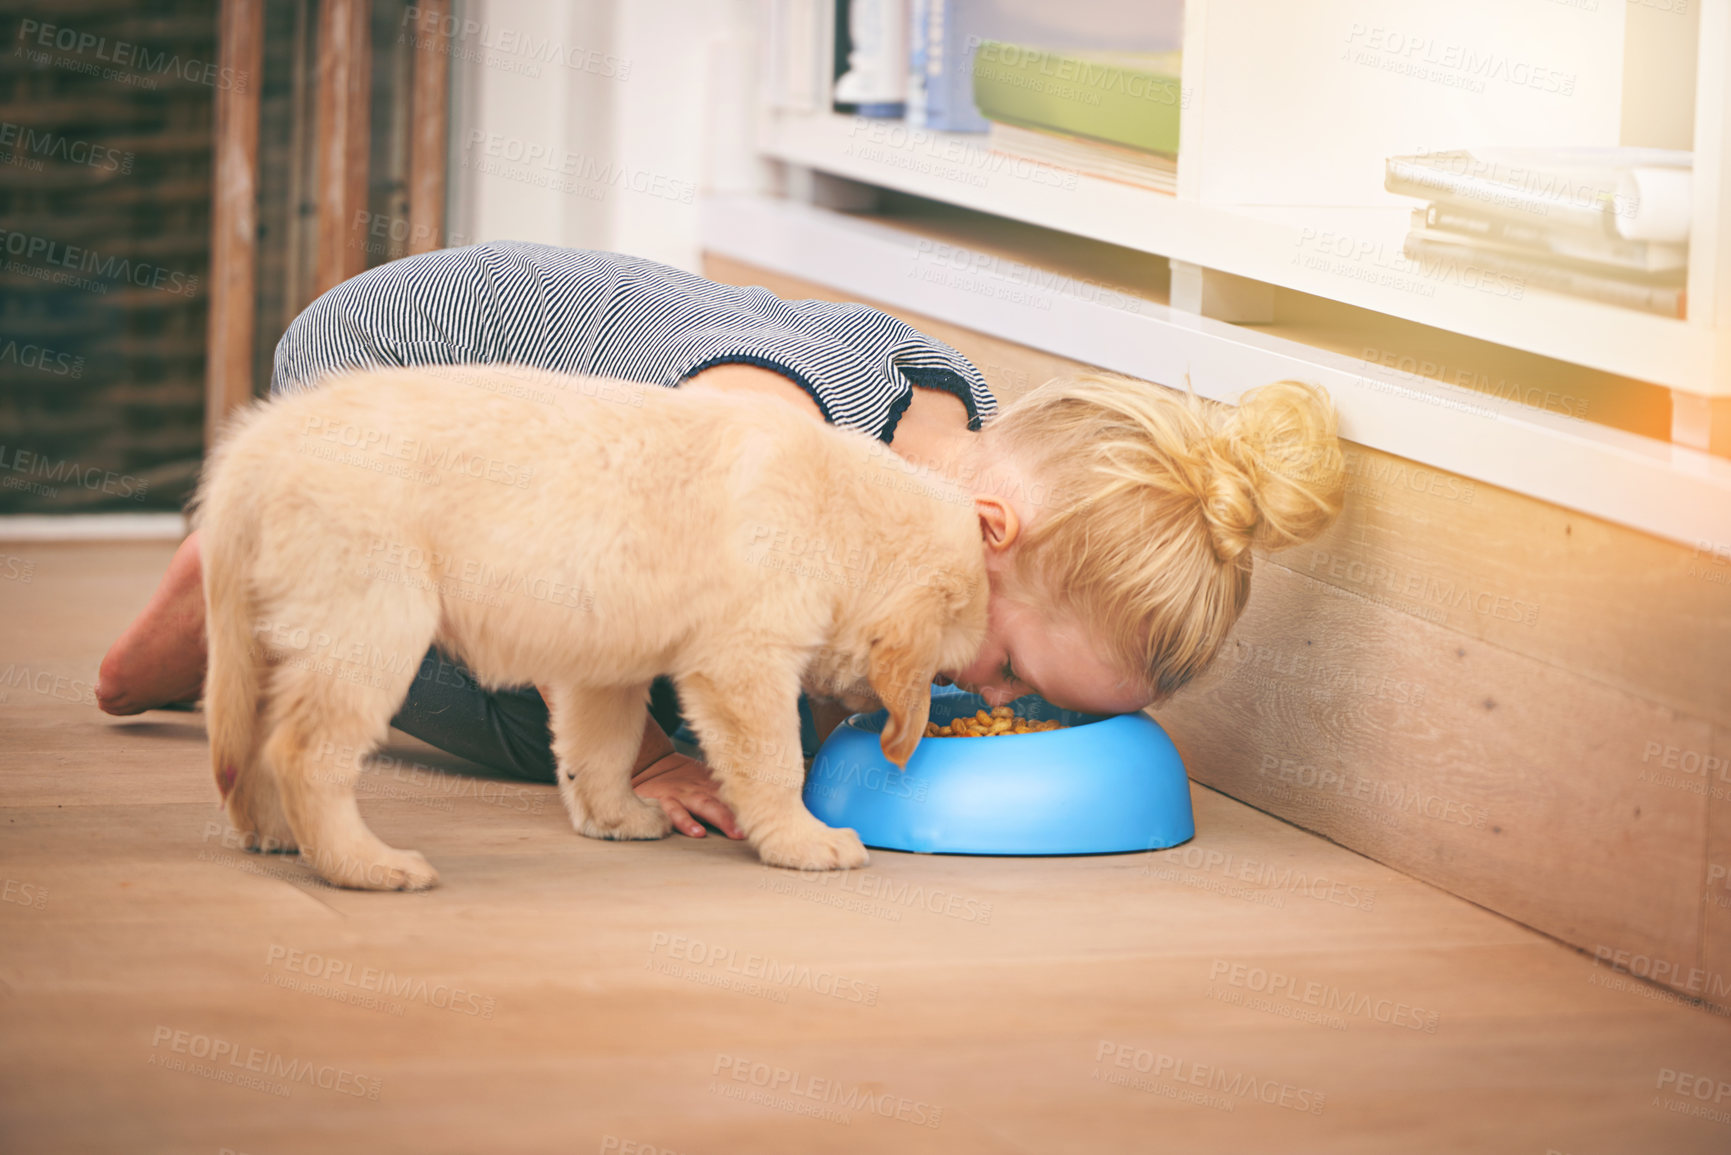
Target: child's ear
(999, 523)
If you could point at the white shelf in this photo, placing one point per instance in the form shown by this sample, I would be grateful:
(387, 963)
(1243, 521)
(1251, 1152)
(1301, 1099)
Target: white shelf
(1666, 490)
(1349, 255)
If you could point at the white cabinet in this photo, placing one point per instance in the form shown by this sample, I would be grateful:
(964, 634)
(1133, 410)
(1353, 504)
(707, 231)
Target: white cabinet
(1291, 109)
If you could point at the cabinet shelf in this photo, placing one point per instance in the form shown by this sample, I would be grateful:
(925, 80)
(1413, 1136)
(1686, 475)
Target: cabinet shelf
(1350, 255)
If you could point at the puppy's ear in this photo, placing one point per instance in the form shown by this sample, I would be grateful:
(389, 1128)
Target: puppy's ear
(903, 661)
(936, 610)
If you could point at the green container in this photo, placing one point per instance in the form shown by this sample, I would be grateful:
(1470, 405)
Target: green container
(1128, 99)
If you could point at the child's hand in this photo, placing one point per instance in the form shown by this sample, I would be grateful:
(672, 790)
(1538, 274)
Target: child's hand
(686, 791)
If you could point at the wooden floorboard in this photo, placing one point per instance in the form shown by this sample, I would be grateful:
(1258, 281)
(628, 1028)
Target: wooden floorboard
(609, 991)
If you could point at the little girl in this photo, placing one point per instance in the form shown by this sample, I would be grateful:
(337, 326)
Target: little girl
(1116, 517)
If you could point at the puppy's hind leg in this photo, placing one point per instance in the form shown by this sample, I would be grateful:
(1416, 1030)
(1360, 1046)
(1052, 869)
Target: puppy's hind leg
(325, 718)
(596, 735)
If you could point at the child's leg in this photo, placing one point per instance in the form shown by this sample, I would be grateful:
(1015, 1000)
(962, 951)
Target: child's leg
(505, 730)
(750, 730)
(596, 735)
(160, 657)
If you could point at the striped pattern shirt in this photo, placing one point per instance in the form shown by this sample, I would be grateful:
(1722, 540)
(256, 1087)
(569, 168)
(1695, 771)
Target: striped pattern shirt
(578, 311)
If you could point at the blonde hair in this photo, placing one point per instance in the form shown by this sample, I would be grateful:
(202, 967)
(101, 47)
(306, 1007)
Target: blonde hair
(1148, 501)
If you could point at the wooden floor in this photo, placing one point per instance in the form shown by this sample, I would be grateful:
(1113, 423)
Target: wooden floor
(160, 991)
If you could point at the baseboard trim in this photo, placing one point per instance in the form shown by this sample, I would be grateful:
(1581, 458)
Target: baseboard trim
(93, 527)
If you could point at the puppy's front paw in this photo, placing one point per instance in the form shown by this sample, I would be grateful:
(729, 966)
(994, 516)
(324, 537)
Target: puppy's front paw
(410, 870)
(640, 820)
(816, 848)
(394, 870)
(260, 822)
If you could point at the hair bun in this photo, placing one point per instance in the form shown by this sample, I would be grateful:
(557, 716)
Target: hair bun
(1275, 473)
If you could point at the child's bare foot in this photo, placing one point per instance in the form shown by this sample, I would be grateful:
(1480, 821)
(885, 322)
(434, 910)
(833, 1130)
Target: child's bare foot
(160, 658)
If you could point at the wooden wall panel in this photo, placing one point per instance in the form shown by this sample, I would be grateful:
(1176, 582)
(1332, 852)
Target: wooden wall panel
(1487, 692)
(1621, 607)
(1713, 779)
(1506, 780)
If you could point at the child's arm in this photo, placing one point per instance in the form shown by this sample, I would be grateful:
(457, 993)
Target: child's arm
(754, 379)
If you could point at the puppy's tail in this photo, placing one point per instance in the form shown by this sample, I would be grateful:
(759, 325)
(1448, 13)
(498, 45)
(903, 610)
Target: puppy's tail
(228, 529)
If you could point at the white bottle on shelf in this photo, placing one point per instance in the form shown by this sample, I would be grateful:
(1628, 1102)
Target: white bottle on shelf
(876, 80)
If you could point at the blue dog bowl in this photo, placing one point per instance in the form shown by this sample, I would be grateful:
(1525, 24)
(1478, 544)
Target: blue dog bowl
(1104, 785)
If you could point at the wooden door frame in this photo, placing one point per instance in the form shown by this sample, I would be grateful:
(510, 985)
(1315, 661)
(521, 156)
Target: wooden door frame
(344, 79)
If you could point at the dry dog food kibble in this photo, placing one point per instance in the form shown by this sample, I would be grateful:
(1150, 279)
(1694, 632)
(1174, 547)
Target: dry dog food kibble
(1002, 720)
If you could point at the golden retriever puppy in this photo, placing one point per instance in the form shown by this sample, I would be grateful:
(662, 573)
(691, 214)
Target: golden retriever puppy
(583, 535)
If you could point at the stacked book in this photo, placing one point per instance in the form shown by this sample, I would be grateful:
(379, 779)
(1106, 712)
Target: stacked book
(1112, 115)
(1609, 224)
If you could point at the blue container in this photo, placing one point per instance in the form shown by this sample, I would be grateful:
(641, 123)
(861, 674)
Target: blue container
(1104, 785)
